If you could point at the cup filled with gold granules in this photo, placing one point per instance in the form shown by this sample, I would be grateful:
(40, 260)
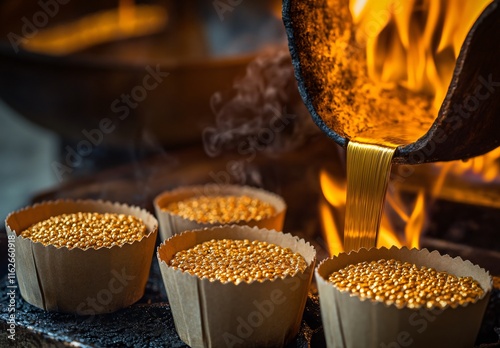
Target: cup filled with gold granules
(401, 298)
(85, 257)
(236, 285)
(195, 207)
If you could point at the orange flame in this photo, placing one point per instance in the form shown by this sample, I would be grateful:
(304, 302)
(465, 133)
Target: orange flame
(330, 229)
(410, 219)
(403, 222)
(475, 181)
(486, 167)
(335, 191)
(399, 227)
(332, 211)
(414, 43)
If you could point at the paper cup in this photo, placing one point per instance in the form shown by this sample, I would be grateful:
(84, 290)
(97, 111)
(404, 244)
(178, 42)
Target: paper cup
(215, 314)
(86, 282)
(171, 224)
(350, 321)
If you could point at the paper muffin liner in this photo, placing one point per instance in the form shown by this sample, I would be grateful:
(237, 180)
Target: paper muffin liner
(215, 314)
(172, 224)
(350, 321)
(86, 282)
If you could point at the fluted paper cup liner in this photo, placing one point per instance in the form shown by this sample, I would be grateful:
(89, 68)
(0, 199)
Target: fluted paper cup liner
(86, 282)
(350, 321)
(171, 224)
(215, 314)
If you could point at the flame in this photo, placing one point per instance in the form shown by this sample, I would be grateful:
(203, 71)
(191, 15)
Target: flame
(332, 210)
(401, 224)
(415, 222)
(414, 43)
(335, 191)
(406, 223)
(475, 181)
(485, 168)
(331, 231)
(106, 26)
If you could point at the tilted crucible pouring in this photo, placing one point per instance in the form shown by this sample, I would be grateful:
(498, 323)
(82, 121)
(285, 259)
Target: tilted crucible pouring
(467, 123)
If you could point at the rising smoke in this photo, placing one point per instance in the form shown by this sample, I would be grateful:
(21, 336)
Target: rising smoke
(264, 110)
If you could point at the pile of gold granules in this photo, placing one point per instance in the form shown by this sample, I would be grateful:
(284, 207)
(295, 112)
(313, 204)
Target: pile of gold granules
(238, 261)
(87, 230)
(221, 209)
(405, 284)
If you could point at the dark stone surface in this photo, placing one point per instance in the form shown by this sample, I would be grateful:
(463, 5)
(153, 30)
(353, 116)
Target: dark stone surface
(490, 328)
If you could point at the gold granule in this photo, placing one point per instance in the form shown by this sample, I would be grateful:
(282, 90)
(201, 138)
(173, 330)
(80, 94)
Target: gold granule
(221, 209)
(405, 284)
(238, 261)
(86, 230)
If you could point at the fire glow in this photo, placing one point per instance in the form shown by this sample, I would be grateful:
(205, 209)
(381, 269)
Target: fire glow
(126, 21)
(395, 217)
(412, 45)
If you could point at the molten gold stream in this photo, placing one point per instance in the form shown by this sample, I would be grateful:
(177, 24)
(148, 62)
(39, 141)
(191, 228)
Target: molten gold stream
(368, 168)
